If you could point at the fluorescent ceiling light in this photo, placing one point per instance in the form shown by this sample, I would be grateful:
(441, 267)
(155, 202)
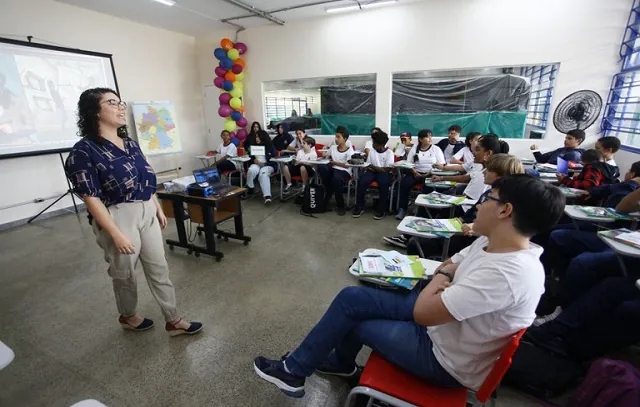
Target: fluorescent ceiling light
(363, 6)
(166, 2)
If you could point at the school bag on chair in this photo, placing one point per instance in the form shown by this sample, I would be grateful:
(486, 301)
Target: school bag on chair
(313, 200)
(609, 383)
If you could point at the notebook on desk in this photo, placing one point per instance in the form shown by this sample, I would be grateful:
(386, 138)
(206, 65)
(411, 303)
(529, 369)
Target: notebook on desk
(212, 177)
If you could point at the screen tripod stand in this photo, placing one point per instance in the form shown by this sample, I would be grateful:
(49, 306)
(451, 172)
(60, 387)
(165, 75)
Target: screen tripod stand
(69, 192)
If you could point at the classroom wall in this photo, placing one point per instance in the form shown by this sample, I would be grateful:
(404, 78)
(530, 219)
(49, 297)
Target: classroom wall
(150, 64)
(582, 35)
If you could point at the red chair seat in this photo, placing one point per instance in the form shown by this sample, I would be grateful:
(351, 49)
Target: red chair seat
(418, 186)
(374, 184)
(227, 172)
(383, 376)
(296, 178)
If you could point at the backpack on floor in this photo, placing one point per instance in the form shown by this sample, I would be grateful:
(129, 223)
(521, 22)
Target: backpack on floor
(313, 200)
(609, 383)
(542, 373)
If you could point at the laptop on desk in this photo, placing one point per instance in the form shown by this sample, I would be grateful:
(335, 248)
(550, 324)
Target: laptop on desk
(212, 177)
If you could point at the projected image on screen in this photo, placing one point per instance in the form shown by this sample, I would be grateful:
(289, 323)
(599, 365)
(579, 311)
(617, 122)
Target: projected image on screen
(39, 91)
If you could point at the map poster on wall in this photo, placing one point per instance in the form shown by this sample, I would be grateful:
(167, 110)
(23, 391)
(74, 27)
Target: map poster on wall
(156, 127)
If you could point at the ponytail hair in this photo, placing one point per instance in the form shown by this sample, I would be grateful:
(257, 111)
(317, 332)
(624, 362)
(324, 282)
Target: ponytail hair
(491, 142)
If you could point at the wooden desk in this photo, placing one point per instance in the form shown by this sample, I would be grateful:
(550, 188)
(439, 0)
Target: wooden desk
(208, 212)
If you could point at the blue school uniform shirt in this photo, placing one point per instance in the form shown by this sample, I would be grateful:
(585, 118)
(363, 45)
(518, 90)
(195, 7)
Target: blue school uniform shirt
(105, 171)
(568, 154)
(613, 193)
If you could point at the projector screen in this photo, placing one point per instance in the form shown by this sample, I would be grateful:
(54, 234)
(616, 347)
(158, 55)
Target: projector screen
(39, 90)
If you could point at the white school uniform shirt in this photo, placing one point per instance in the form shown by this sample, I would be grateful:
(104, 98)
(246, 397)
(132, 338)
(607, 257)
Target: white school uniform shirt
(302, 156)
(426, 159)
(384, 159)
(230, 151)
(612, 162)
(336, 155)
(465, 154)
(476, 185)
(448, 152)
(492, 297)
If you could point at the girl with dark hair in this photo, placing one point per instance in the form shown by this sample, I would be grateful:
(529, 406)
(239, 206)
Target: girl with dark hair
(261, 150)
(283, 139)
(110, 173)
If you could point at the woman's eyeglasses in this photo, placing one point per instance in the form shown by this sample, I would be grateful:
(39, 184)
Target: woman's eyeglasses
(114, 102)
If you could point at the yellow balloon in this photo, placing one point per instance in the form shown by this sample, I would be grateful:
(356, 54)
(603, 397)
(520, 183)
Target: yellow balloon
(230, 125)
(239, 76)
(235, 103)
(233, 54)
(236, 93)
(238, 85)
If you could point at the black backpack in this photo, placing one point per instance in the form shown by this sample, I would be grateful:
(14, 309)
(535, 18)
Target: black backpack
(541, 372)
(313, 200)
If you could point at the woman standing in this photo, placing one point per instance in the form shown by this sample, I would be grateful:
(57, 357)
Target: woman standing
(110, 173)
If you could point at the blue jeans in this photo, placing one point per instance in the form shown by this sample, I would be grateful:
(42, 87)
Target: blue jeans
(380, 319)
(566, 244)
(383, 179)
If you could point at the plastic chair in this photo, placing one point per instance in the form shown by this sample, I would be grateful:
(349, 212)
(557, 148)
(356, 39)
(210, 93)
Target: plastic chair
(383, 381)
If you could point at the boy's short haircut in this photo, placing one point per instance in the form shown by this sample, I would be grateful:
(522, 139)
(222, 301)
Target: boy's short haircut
(504, 164)
(471, 136)
(537, 205)
(380, 138)
(591, 156)
(635, 168)
(343, 130)
(309, 140)
(455, 128)
(610, 142)
(577, 133)
(407, 134)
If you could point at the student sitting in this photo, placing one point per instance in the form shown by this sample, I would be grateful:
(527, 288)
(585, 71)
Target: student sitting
(337, 173)
(608, 146)
(226, 150)
(570, 151)
(452, 144)
(283, 139)
(498, 166)
(604, 319)
(308, 153)
(423, 156)
(296, 144)
(380, 161)
(465, 156)
(404, 145)
(450, 332)
(609, 195)
(260, 165)
(594, 173)
(368, 146)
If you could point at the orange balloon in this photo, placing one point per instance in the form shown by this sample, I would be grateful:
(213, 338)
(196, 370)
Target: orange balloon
(241, 109)
(230, 76)
(226, 44)
(239, 61)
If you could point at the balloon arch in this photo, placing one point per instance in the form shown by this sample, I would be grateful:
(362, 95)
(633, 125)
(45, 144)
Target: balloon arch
(229, 76)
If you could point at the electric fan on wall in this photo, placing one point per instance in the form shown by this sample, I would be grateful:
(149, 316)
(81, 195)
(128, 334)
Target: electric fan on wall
(579, 110)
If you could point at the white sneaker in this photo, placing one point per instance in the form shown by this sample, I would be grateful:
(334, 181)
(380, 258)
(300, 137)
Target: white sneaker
(547, 318)
(401, 214)
(267, 200)
(287, 188)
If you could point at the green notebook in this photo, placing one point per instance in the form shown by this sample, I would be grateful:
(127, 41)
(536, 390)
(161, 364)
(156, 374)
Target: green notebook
(444, 198)
(604, 213)
(436, 225)
(624, 236)
(372, 265)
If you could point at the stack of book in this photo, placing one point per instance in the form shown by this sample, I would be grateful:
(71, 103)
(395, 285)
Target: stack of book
(393, 268)
(625, 236)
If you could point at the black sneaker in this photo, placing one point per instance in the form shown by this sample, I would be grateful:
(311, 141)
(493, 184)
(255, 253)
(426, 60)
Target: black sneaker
(357, 212)
(378, 215)
(273, 371)
(341, 211)
(397, 240)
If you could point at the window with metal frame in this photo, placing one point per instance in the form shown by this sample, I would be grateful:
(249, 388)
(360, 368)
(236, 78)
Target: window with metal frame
(622, 113)
(542, 79)
(282, 108)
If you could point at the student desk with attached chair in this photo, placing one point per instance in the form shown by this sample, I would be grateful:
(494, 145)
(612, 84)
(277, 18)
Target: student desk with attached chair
(208, 212)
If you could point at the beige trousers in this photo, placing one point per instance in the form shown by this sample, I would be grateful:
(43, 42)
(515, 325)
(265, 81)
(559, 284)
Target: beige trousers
(137, 220)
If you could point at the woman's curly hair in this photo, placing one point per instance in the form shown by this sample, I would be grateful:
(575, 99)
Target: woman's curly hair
(88, 111)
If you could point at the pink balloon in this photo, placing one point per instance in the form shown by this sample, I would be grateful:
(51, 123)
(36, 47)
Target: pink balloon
(236, 68)
(242, 122)
(241, 47)
(225, 110)
(241, 134)
(224, 98)
(232, 134)
(220, 71)
(218, 81)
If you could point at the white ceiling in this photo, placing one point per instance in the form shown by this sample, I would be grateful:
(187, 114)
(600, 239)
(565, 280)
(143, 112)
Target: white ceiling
(200, 17)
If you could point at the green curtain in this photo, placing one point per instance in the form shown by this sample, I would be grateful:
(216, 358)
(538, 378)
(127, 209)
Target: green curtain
(504, 124)
(355, 123)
